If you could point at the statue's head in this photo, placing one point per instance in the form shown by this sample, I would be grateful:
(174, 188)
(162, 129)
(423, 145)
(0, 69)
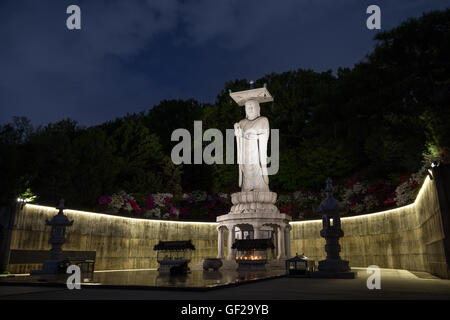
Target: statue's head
(252, 109)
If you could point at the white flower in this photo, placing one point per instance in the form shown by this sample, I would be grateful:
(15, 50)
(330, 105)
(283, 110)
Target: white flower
(155, 212)
(359, 188)
(175, 211)
(128, 207)
(198, 196)
(348, 193)
(148, 214)
(299, 196)
(358, 208)
(223, 195)
(118, 200)
(404, 193)
(160, 199)
(370, 202)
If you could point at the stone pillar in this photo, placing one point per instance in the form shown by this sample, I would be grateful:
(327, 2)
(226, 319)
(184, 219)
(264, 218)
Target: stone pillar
(220, 254)
(230, 254)
(287, 236)
(256, 231)
(281, 252)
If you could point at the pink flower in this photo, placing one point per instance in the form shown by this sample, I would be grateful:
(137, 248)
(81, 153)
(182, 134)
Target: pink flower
(140, 212)
(167, 201)
(173, 212)
(150, 203)
(104, 200)
(389, 201)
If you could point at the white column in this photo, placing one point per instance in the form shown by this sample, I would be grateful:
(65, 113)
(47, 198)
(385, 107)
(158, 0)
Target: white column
(281, 254)
(256, 231)
(230, 254)
(288, 241)
(220, 243)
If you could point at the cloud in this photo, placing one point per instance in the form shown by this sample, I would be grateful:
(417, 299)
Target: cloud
(129, 54)
(49, 72)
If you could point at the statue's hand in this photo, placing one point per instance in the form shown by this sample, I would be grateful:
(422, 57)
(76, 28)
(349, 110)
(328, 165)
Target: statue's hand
(237, 130)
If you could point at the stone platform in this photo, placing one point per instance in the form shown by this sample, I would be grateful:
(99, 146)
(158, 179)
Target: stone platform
(254, 215)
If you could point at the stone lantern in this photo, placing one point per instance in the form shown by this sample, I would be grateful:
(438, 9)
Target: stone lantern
(58, 224)
(333, 266)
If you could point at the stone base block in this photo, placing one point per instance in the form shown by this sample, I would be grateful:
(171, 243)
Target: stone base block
(334, 266)
(49, 267)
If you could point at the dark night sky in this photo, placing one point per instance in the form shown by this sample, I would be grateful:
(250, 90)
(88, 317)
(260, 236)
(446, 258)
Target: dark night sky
(129, 55)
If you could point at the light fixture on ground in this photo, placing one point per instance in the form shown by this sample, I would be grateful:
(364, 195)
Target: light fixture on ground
(299, 266)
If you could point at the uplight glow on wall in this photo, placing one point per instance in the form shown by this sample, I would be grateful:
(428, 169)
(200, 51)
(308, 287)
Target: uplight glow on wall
(76, 212)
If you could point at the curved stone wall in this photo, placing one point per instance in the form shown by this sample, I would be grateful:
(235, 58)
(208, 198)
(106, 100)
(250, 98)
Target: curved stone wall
(409, 237)
(119, 242)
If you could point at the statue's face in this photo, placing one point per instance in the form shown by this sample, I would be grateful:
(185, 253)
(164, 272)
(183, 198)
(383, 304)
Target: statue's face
(252, 109)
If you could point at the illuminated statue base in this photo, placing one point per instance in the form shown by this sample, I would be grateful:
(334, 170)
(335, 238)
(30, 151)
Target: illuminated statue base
(254, 216)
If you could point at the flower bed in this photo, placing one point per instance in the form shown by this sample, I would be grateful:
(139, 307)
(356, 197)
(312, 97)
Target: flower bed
(196, 205)
(359, 195)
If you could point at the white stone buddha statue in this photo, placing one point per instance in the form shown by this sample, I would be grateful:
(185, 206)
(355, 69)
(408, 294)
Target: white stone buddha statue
(252, 135)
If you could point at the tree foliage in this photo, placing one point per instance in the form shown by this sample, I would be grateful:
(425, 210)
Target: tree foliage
(376, 119)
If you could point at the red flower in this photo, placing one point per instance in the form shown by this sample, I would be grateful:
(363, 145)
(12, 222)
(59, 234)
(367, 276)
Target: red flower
(134, 205)
(388, 201)
(184, 211)
(376, 187)
(211, 204)
(286, 209)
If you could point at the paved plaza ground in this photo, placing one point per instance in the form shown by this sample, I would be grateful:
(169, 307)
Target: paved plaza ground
(395, 285)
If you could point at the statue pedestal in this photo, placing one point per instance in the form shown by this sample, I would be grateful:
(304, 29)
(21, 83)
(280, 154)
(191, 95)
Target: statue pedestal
(253, 211)
(254, 202)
